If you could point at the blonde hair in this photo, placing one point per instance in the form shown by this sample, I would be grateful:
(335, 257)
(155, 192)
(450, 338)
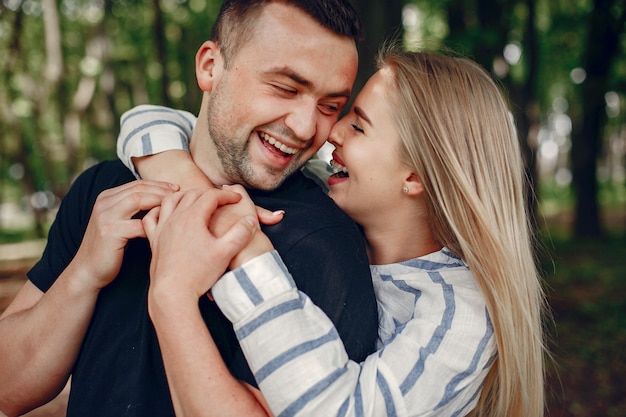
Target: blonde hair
(459, 137)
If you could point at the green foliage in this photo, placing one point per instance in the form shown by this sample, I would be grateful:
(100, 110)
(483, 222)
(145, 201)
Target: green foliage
(62, 96)
(115, 54)
(15, 236)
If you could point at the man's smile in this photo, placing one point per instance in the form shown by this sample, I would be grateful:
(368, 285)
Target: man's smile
(286, 150)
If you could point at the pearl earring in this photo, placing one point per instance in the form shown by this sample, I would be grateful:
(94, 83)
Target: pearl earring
(405, 189)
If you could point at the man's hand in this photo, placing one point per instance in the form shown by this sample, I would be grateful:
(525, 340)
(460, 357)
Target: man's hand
(112, 224)
(188, 256)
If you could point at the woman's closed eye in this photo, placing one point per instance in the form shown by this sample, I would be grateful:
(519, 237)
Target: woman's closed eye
(357, 128)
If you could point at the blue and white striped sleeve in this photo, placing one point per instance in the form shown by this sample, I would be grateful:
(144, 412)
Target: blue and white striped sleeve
(272, 302)
(426, 368)
(147, 130)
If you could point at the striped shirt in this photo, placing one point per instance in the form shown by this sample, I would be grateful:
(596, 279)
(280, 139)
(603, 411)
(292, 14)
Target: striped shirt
(436, 341)
(147, 130)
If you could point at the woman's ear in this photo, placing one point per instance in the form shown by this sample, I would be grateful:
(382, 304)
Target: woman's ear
(413, 185)
(209, 65)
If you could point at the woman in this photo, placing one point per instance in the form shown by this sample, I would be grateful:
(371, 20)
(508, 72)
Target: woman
(428, 163)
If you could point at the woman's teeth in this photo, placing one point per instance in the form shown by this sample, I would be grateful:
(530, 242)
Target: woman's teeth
(280, 146)
(338, 168)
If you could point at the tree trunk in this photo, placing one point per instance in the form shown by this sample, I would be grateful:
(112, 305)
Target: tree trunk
(604, 30)
(527, 117)
(381, 21)
(159, 41)
(7, 118)
(480, 31)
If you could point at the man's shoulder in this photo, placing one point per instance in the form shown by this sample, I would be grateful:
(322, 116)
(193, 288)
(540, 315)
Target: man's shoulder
(301, 198)
(112, 169)
(312, 221)
(72, 218)
(103, 175)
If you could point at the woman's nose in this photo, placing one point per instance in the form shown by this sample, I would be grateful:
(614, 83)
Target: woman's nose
(336, 134)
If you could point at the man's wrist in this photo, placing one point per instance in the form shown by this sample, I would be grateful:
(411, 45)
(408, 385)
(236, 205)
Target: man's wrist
(162, 299)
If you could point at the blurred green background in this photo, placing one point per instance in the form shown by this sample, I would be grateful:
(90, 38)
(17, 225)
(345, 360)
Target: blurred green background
(70, 68)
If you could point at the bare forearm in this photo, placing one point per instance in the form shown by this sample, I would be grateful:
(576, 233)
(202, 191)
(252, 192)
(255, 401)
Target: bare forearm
(173, 166)
(259, 245)
(200, 383)
(40, 341)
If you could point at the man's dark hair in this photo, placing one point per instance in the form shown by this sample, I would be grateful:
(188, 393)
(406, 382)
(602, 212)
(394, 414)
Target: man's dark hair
(236, 18)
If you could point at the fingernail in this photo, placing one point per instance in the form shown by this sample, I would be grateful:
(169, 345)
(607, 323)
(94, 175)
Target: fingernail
(278, 213)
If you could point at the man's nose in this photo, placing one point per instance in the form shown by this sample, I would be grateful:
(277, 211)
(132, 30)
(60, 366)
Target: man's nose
(302, 119)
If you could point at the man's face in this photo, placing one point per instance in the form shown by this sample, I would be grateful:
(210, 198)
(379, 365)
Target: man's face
(273, 108)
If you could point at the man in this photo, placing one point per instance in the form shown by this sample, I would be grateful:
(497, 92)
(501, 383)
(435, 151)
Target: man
(274, 72)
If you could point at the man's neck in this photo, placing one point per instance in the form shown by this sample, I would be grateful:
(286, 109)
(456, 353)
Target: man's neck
(203, 151)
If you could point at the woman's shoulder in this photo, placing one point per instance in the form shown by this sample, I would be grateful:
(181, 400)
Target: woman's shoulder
(433, 272)
(440, 261)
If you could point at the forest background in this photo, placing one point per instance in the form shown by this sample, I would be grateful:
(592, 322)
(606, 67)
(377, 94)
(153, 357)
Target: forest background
(70, 68)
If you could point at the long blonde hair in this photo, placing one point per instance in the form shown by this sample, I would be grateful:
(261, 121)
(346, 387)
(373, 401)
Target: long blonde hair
(459, 136)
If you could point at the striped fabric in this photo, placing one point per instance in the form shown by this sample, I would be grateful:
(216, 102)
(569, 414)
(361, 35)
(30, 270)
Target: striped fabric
(435, 348)
(146, 130)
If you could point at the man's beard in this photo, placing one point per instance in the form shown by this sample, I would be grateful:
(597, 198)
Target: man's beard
(233, 152)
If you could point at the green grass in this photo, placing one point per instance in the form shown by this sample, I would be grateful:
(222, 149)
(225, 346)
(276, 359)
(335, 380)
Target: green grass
(587, 294)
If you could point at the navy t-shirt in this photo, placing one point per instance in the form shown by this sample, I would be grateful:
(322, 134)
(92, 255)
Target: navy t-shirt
(119, 370)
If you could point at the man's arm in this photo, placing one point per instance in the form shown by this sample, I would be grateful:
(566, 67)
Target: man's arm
(199, 381)
(41, 333)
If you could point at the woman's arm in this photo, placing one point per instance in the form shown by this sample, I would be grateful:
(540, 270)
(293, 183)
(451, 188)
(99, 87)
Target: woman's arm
(175, 166)
(433, 363)
(154, 143)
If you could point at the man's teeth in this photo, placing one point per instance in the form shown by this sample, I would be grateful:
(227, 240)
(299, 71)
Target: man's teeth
(337, 168)
(280, 146)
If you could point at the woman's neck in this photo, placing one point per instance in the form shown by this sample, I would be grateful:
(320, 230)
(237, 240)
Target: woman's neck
(397, 238)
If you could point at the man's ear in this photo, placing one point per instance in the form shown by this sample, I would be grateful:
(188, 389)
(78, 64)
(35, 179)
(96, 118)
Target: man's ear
(209, 64)
(413, 185)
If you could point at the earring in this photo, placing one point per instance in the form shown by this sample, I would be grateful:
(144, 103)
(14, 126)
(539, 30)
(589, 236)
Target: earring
(405, 189)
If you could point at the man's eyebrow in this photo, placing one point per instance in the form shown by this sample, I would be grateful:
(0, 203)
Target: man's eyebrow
(361, 114)
(299, 79)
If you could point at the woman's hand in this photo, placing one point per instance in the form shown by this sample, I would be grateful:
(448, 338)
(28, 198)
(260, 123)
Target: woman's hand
(260, 243)
(267, 217)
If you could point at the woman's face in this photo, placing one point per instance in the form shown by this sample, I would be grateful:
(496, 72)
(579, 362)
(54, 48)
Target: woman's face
(370, 178)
